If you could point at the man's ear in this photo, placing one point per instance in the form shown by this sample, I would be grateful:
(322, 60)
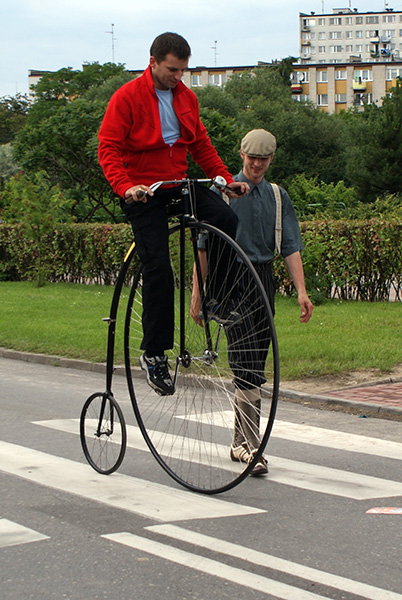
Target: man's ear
(152, 61)
(242, 154)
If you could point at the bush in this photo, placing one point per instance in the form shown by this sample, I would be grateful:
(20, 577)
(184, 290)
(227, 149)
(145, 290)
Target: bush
(359, 259)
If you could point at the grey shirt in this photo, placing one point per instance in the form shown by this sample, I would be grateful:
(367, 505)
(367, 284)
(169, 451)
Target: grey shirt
(256, 227)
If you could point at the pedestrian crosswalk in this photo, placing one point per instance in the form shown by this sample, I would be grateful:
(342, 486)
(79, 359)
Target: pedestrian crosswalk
(13, 534)
(315, 478)
(171, 539)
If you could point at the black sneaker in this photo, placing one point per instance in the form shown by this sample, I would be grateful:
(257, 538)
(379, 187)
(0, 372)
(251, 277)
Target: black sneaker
(225, 314)
(157, 372)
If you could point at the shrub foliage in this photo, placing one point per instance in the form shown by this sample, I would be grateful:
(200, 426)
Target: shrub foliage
(359, 259)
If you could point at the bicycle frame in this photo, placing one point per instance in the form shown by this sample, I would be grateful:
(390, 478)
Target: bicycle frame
(186, 215)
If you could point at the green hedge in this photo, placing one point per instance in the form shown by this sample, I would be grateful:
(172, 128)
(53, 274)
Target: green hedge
(345, 259)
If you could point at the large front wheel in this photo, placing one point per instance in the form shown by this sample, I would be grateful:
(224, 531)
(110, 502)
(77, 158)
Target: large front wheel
(226, 371)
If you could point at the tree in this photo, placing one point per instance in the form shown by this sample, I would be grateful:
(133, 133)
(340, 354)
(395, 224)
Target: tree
(309, 141)
(225, 136)
(8, 165)
(375, 147)
(60, 136)
(13, 114)
(38, 207)
(65, 146)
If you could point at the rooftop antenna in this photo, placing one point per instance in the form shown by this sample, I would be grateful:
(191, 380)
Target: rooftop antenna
(113, 40)
(322, 7)
(215, 49)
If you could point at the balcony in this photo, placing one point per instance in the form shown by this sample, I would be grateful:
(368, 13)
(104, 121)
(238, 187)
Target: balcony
(296, 88)
(359, 86)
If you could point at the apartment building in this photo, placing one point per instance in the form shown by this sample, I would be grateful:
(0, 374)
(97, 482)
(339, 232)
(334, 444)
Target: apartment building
(336, 87)
(347, 58)
(346, 35)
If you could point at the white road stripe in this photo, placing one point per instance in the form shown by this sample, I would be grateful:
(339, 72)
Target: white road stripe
(272, 562)
(298, 474)
(213, 567)
(338, 440)
(13, 534)
(152, 500)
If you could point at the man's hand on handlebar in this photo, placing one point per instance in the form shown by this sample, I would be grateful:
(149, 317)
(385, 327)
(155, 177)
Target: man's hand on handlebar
(234, 189)
(237, 189)
(137, 193)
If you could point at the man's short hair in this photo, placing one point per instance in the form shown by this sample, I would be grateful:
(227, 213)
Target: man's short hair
(170, 43)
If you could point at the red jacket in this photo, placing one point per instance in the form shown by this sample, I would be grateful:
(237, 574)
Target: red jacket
(131, 147)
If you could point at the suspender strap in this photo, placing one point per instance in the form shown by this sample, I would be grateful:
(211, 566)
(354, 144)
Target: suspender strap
(278, 220)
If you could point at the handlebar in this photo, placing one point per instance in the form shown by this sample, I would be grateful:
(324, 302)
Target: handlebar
(219, 182)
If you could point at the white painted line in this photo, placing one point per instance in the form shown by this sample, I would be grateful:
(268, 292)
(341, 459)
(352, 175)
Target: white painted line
(331, 481)
(202, 564)
(13, 534)
(284, 471)
(338, 440)
(272, 562)
(135, 495)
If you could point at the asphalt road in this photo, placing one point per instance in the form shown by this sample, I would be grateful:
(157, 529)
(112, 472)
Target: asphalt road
(301, 533)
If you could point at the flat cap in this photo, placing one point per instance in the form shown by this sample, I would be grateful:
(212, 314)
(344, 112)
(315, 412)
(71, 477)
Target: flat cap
(258, 142)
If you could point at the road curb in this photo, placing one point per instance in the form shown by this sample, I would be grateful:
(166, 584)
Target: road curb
(313, 400)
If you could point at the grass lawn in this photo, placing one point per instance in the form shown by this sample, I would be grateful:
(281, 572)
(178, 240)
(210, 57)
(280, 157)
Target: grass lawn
(66, 320)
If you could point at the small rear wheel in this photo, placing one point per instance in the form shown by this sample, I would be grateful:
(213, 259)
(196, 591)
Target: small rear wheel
(103, 433)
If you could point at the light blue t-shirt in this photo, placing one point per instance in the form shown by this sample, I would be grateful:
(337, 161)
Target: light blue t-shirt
(170, 123)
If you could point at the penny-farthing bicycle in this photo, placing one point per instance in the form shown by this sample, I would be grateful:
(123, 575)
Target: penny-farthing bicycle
(190, 432)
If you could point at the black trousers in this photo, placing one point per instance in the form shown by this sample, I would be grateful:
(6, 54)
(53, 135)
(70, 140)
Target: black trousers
(249, 341)
(149, 222)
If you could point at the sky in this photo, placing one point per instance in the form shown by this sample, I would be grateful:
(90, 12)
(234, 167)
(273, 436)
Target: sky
(51, 34)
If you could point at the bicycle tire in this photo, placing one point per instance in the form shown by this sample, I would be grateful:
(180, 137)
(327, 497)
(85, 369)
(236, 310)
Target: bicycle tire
(190, 432)
(104, 444)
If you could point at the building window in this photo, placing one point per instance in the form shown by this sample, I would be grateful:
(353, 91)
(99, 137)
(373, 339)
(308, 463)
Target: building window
(217, 79)
(335, 21)
(349, 20)
(349, 48)
(349, 35)
(390, 33)
(371, 33)
(389, 19)
(322, 100)
(321, 49)
(359, 20)
(322, 77)
(359, 35)
(303, 76)
(335, 49)
(341, 74)
(372, 20)
(321, 22)
(363, 75)
(196, 80)
(340, 98)
(393, 74)
(322, 36)
(359, 48)
(335, 35)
